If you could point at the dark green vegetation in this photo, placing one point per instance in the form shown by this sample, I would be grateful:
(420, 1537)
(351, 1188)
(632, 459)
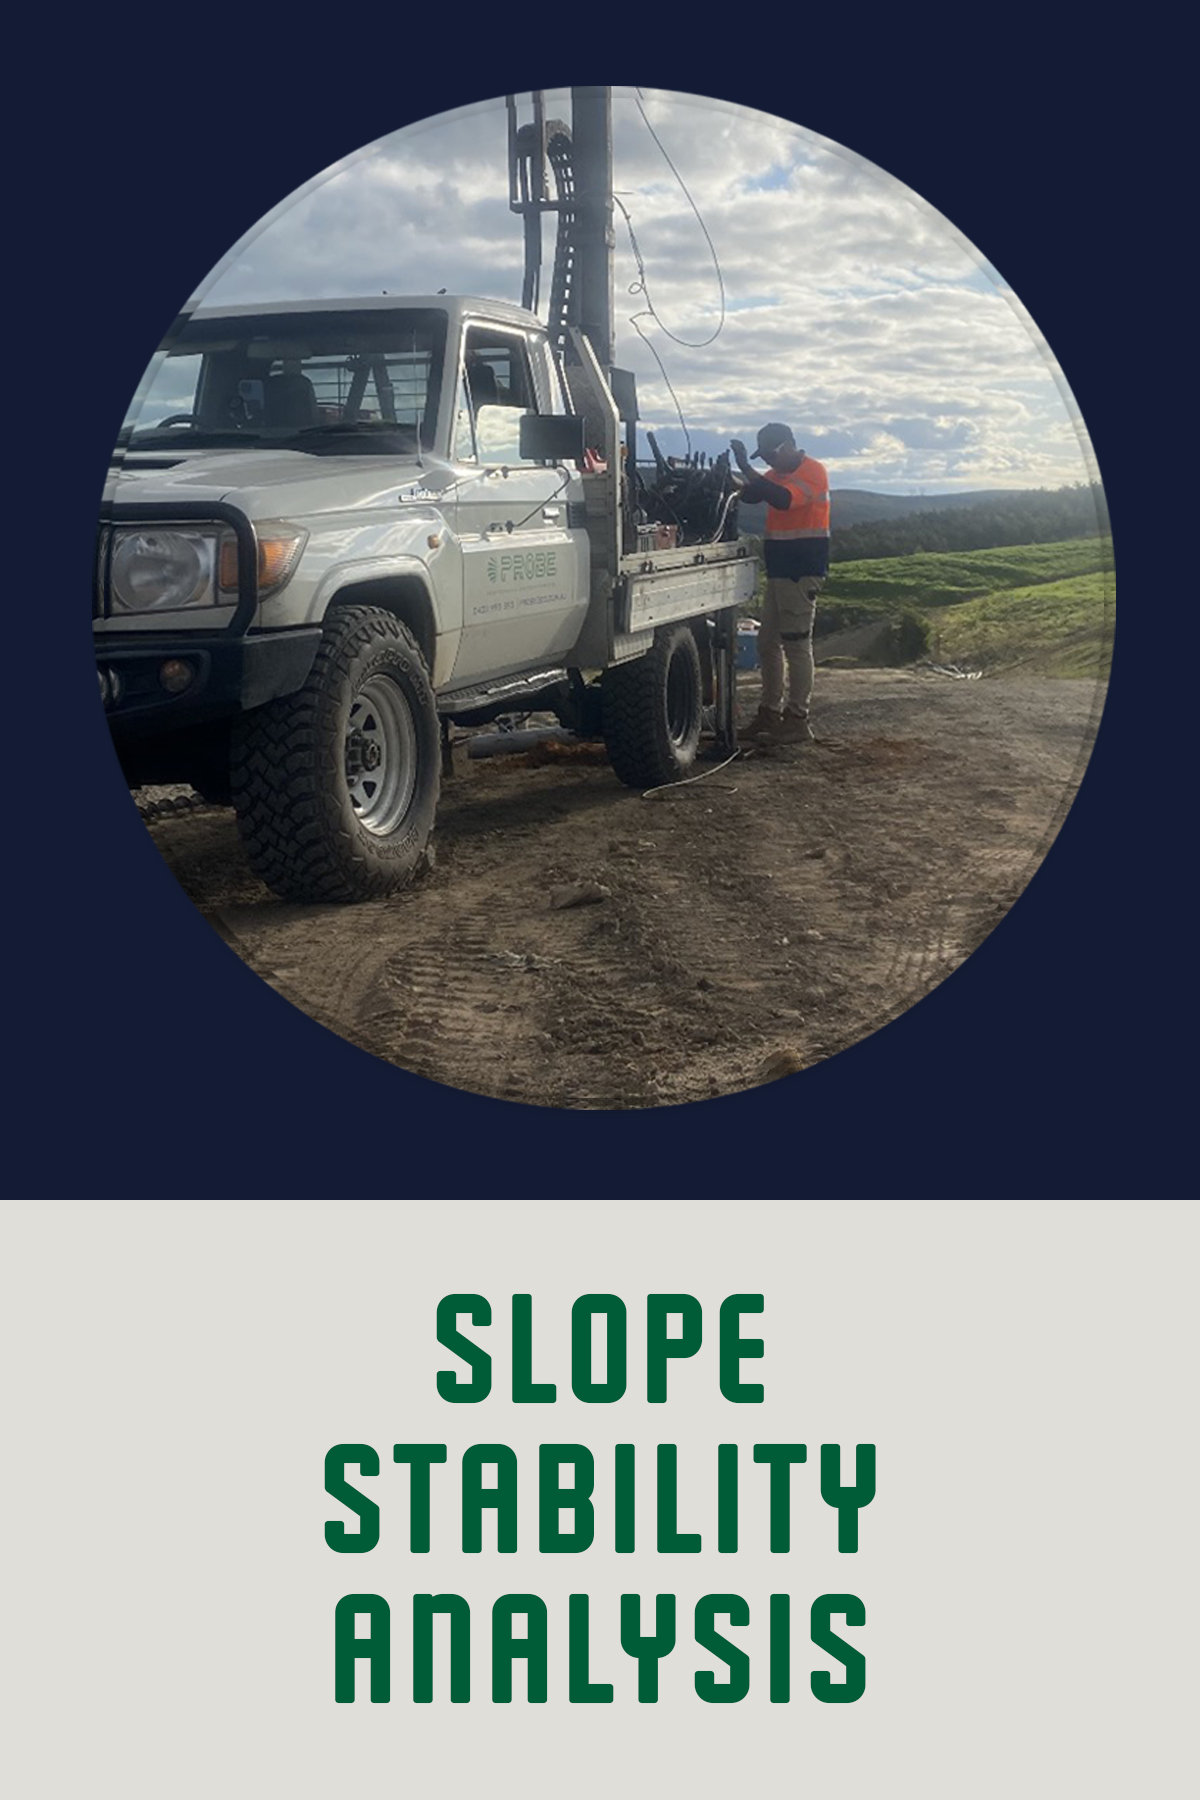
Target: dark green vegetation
(866, 524)
(859, 506)
(975, 522)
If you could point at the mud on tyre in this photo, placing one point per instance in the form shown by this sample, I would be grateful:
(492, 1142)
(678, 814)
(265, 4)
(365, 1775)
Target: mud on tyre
(652, 710)
(336, 786)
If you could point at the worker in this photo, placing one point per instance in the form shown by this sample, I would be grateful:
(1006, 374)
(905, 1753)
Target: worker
(796, 552)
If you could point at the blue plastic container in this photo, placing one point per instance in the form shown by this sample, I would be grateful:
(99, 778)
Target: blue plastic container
(746, 656)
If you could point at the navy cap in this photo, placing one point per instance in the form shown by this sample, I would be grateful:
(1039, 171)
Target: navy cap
(772, 437)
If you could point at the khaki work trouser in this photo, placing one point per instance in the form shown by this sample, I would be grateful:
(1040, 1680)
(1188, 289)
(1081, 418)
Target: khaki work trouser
(785, 635)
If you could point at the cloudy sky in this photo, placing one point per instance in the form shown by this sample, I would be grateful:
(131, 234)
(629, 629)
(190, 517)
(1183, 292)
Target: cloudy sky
(852, 309)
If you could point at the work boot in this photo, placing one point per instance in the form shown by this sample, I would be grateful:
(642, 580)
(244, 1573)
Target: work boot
(763, 724)
(793, 728)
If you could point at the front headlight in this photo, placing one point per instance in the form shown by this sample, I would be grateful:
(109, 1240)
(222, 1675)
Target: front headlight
(162, 571)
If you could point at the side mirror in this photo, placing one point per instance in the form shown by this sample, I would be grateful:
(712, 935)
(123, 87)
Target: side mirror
(553, 437)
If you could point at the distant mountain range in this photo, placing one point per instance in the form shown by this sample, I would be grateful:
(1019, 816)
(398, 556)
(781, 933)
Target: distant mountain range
(857, 506)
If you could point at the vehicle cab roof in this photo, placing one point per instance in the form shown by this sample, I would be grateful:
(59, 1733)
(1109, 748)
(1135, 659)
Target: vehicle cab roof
(458, 308)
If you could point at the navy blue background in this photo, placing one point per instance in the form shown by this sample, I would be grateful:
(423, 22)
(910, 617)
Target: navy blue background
(148, 1061)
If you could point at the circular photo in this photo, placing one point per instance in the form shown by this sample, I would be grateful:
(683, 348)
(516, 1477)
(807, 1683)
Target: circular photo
(603, 598)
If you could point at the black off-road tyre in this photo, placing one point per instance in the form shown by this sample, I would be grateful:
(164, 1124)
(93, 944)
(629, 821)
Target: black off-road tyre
(336, 786)
(653, 711)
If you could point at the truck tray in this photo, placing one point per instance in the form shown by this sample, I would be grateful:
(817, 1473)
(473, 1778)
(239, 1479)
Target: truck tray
(660, 585)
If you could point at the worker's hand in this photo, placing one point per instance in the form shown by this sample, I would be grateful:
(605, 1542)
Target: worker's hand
(739, 452)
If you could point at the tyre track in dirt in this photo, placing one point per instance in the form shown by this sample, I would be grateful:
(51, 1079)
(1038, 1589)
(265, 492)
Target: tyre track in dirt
(787, 906)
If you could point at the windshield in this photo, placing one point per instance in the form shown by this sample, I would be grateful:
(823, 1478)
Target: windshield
(306, 380)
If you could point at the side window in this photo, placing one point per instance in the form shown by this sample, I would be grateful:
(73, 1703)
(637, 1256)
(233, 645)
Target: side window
(499, 390)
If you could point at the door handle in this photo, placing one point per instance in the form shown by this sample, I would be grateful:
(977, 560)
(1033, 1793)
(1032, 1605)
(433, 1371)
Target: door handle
(551, 512)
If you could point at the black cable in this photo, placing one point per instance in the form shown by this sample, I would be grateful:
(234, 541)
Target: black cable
(640, 286)
(658, 359)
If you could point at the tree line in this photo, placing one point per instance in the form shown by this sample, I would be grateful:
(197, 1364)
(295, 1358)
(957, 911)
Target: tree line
(1026, 516)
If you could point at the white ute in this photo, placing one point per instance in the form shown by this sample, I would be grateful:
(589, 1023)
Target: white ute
(335, 523)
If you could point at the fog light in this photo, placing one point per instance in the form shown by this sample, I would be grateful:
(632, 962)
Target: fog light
(176, 676)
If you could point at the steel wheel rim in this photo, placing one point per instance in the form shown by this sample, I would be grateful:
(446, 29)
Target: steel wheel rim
(381, 755)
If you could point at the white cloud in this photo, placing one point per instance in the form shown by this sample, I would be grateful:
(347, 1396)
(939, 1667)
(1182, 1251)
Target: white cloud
(855, 312)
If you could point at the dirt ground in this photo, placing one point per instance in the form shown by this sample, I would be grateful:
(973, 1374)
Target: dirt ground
(752, 923)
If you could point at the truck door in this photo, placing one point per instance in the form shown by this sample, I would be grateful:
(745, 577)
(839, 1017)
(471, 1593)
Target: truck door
(525, 570)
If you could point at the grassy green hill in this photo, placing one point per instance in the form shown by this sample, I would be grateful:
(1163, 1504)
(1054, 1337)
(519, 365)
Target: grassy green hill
(945, 578)
(1059, 628)
(1045, 608)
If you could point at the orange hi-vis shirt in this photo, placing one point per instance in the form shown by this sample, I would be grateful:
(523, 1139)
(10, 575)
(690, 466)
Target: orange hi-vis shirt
(808, 514)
